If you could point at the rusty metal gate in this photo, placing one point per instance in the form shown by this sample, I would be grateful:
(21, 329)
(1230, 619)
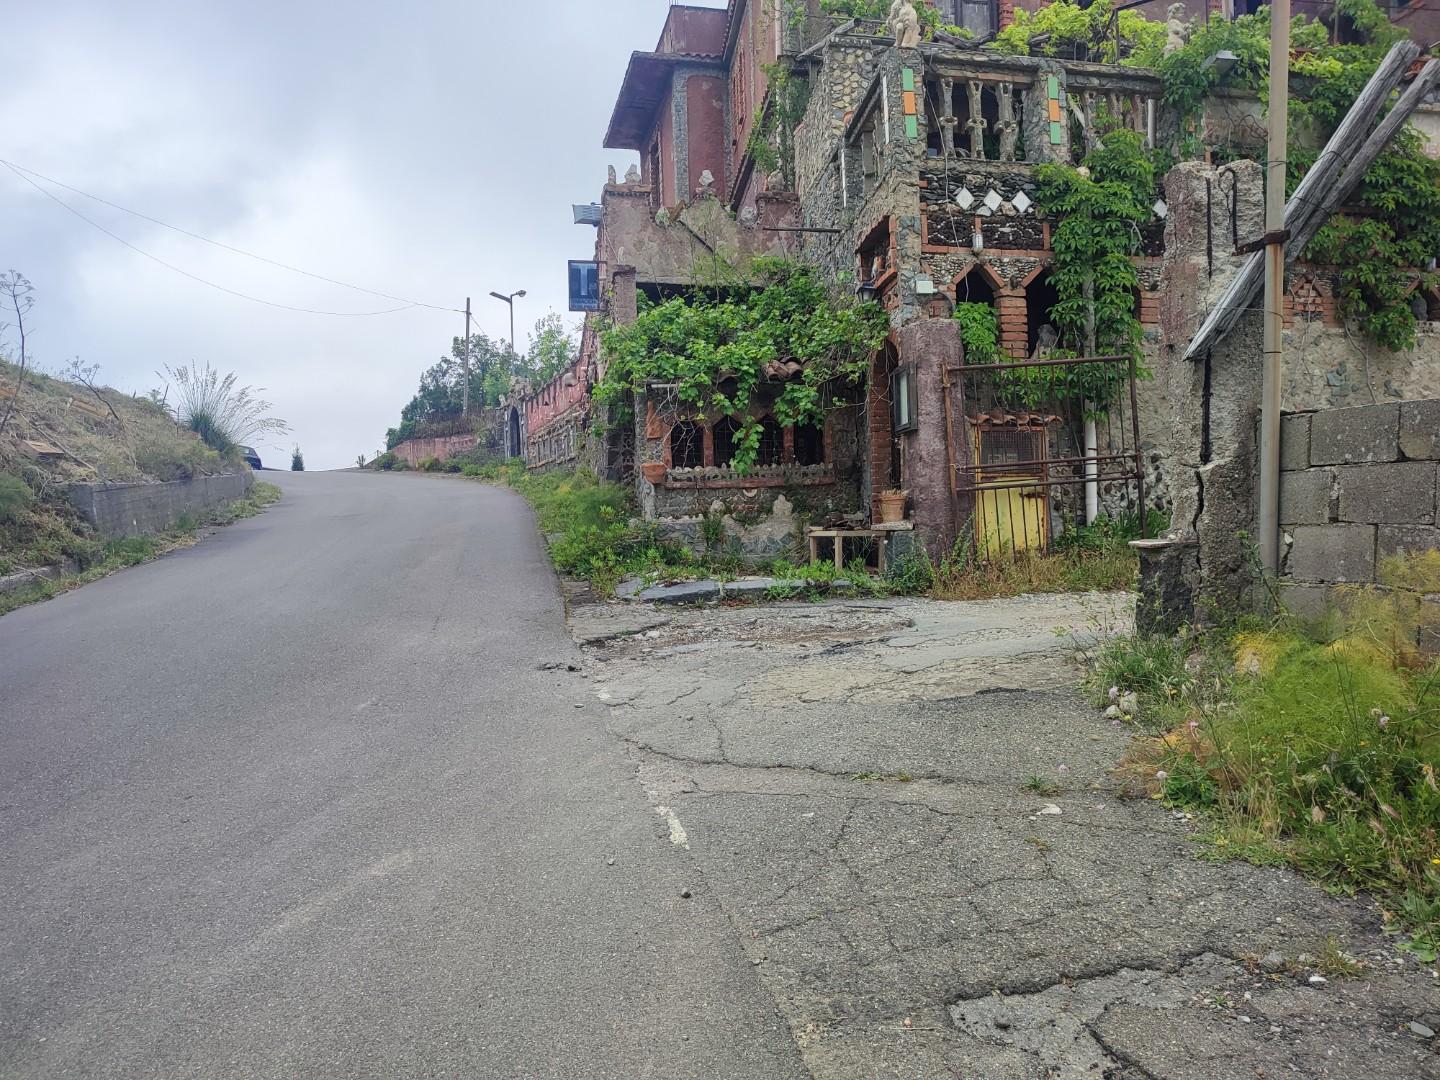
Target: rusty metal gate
(1026, 450)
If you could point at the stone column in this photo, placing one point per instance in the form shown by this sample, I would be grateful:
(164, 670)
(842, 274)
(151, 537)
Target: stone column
(624, 305)
(928, 346)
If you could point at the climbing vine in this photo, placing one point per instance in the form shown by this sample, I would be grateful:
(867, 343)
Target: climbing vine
(772, 137)
(1098, 209)
(1393, 228)
(979, 332)
(714, 349)
(1064, 28)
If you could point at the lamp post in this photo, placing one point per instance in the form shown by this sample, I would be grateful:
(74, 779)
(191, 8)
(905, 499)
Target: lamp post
(510, 301)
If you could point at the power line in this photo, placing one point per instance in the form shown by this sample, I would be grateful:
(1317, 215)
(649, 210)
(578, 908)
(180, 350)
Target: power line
(406, 304)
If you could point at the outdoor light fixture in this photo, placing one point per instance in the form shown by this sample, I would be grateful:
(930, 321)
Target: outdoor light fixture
(1221, 61)
(977, 242)
(510, 300)
(867, 292)
(924, 285)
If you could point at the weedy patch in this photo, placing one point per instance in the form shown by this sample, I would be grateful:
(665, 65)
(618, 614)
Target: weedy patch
(1321, 754)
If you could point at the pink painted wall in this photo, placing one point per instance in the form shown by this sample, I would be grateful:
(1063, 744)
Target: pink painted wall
(705, 108)
(414, 451)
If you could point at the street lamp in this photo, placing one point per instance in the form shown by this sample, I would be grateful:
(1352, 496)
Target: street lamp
(510, 300)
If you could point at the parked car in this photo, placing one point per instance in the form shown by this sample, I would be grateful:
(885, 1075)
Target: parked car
(251, 457)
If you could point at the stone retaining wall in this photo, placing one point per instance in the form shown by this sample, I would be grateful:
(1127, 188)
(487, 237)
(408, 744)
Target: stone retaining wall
(1357, 485)
(116, 510)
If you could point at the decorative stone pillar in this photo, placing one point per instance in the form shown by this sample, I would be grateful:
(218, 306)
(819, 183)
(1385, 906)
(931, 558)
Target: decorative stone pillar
(928, 347)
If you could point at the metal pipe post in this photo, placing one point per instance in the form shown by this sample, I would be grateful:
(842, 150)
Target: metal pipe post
(1268, 523)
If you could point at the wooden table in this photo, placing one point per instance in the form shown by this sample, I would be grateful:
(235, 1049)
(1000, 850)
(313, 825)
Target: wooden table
(881, 540)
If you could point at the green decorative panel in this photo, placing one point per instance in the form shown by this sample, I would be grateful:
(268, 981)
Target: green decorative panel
(907, 78)
(912, 127)
(1054, 86)
(1057, 134)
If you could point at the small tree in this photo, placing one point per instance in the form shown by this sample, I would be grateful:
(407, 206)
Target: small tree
(15, 295)
(297, 460)
(359, 461)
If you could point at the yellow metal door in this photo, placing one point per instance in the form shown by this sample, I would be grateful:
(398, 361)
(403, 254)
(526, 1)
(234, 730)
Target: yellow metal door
(1011, 508)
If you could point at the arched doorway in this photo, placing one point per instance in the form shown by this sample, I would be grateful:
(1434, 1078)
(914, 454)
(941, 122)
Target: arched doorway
(512, 442)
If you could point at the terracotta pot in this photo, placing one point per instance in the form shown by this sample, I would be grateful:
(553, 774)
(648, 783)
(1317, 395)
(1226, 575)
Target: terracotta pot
(892, 506)
(653, 471)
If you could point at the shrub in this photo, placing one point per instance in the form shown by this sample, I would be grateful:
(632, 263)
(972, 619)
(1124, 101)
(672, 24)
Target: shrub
(15, 497)
(452, 467)
(219, 411)
(430, 464)
(297, 460)
(387, 460)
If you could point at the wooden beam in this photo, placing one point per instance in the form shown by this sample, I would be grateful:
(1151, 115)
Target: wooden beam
(1322, 189)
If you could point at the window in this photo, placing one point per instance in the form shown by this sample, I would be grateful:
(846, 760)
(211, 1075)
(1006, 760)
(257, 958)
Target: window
(977, 16)
(726, 436)
(903, 399)
(772, 442)
(687, 445)
(809, 445)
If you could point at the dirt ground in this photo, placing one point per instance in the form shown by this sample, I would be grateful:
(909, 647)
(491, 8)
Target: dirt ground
(859, 785)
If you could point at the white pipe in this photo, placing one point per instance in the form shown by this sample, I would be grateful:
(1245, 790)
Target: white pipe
(1092, 469)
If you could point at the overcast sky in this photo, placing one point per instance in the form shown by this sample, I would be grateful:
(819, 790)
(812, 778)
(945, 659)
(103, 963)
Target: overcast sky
(427, 150)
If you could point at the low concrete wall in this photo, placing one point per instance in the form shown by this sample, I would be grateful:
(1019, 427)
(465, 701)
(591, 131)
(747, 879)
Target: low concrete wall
(116, 510)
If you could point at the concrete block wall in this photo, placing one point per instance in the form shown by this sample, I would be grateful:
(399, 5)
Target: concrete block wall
(1357, 485)
(117, 510)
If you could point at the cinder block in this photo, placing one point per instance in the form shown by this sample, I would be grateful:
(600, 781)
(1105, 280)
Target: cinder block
(1333, 553)
(1401, 492)
(1310, 603)
(1295, 442)
(1420, 429)
(1367, 433)
(1306, 497)
(1407, 539)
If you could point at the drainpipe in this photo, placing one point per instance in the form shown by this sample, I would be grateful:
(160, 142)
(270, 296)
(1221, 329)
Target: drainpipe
(1279, 114)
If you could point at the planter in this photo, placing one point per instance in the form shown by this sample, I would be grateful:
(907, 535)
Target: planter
(653, 471)
(892, 506)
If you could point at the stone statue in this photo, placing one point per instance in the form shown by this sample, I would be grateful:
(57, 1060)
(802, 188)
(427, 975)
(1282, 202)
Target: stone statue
(610, 177)
(1177, 30)
(904, 24)
(632, 174)
(707, 184)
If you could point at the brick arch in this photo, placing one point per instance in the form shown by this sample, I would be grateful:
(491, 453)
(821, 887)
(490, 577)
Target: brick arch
(983, 266)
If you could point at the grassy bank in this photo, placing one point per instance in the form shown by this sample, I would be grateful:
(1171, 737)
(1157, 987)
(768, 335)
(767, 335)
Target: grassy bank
(1316, 747)
(57, 536)
(595, 534)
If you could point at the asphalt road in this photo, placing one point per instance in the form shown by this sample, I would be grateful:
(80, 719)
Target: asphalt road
(300, 801)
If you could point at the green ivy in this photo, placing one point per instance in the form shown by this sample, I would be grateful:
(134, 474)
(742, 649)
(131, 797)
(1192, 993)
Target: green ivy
(1064, 27)
(714, 348)
(772, 137)
(1395, 228)
(1098, 210)
(979, 332)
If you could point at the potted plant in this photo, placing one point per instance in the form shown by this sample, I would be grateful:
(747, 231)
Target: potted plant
(892, 506)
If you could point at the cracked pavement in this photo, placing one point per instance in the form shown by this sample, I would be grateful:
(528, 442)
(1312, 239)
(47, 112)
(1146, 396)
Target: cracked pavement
(850, 783)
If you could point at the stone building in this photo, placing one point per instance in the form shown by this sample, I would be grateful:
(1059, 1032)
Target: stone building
(915, 180)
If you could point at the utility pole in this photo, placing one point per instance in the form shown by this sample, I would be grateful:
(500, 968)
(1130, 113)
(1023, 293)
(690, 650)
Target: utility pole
(1275, 237)
(465, 394)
